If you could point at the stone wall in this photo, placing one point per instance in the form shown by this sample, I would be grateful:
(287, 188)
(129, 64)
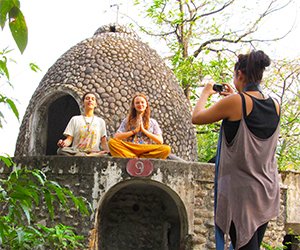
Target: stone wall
(291, 180)
(173, 205)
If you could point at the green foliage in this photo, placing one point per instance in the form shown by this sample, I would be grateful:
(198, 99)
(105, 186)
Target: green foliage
(283, 83)
(4, 73)
(25, 191)
(186, 71)
(10, 12)
(190, 72)
(220, 69)
(34, 67)
(58, 237)
(7, 160)
(61, 237)
(269, 247)
(203, 39)
(289, 148)
(11, 104)
(3, 63)
(207, 138)
(20, 194)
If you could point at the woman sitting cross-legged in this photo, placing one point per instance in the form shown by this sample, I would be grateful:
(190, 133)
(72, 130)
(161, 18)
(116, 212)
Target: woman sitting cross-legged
(139, 136)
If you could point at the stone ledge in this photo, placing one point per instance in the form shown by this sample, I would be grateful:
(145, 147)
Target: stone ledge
(69, 165)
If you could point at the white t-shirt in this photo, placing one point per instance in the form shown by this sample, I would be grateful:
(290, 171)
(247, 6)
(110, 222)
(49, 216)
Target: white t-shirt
(86, 132)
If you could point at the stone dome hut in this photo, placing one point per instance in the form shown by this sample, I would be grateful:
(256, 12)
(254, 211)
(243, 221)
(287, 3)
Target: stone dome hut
(114, 64)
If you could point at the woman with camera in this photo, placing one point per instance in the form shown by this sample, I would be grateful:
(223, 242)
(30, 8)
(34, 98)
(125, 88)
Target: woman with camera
(247, 186)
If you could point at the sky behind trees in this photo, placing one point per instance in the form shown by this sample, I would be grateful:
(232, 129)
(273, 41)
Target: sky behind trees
(55, 26)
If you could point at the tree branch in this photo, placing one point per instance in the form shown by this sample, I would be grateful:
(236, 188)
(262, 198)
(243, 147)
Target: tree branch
(252, 29)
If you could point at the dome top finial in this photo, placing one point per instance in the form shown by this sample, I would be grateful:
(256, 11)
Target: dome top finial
(116, 28)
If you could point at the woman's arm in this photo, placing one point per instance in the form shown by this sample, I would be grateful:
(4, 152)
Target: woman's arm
(227, 108)
(126, 134)
(122, 133)
(154, 137)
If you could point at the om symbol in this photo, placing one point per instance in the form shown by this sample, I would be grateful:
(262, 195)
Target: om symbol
(139, 165)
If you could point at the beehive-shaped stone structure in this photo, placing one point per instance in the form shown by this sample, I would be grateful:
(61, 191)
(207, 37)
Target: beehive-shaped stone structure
(114, 64)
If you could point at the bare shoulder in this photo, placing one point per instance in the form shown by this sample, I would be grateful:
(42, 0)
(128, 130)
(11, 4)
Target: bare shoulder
(231, 100)
(232, 107)
(277, 105)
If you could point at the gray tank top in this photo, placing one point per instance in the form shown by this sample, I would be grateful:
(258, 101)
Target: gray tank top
(248, 185)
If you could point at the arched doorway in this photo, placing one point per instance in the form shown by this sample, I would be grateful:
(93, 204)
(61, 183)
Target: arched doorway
(142, 216)
(59, 114)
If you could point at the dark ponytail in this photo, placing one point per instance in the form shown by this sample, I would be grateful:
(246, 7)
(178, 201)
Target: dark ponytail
(253, 65)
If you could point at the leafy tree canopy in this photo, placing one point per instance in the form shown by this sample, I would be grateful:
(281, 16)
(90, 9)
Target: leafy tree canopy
(10, 12)
(204, 37)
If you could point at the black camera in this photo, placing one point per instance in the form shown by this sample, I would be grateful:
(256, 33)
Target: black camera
(218, 87)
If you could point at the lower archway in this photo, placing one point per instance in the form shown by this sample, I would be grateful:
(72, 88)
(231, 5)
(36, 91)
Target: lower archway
(142, 216)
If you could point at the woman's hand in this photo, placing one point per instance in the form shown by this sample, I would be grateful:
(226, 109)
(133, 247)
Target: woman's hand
(141, 126)
(126, 134)
(208, 89)
(156, 138)
(138, 126)
(225, 108)
(228, 90)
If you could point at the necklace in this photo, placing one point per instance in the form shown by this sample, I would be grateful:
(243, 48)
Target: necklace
(88, 125)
